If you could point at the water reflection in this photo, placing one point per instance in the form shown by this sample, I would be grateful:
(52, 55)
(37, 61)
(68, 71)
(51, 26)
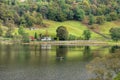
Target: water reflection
(42, 62)
(45, 46)
(87, 54)
(61, 52)
(114, 48)
(24, 54)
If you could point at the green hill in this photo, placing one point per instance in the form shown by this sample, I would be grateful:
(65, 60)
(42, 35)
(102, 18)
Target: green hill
(104, 28)
(74, 27)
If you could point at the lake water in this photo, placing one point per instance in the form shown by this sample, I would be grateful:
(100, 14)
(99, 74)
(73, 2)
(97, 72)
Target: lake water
(46, 62)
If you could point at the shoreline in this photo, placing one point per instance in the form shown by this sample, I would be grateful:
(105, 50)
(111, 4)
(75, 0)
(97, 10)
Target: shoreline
(74, 42)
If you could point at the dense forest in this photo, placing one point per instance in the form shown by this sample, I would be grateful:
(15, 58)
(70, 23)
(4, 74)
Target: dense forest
(32, 12)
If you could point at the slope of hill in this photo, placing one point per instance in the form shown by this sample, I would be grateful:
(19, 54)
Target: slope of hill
(74, 27)
(104, 28)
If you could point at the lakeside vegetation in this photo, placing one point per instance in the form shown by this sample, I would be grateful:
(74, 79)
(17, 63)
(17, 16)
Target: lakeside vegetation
(66, 22)
(45, 16)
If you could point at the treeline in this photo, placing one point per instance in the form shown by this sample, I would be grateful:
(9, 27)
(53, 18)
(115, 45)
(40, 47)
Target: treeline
(32, 12)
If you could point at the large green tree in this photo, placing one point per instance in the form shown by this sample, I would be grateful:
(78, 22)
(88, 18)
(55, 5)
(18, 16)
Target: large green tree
(79, 14)
(87, 34)
(62, 33)
(115, 33)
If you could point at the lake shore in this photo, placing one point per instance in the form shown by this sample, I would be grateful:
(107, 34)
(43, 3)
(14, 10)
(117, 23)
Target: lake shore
(74, 42)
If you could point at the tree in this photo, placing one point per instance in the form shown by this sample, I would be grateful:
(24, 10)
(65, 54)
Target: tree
(115, 33)
(70, 15)
(113, 15)
(91, 19)
(10, 25)
(61, 16)
(52, 12)
(9, 32)
(105, 68)
(100, 20)
(87, 34)
(62, 33)
(1, 31)
(39, 19)
(79, 14)
(36, 36)
(29, 20)
(25, 38)
(21, 30)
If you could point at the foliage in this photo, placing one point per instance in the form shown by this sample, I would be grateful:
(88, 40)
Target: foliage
(36, 36)
(17, 38)
(105, 68)
(1, 31)
(32, 12)
(79, 14)
(115, 33)
(25, 38)
(100, 19)
(91, 19)
(87, 34)
(117, 77)
(62, 33)
(21, 30)
(9, 32)
(72, 37)
(113, 15)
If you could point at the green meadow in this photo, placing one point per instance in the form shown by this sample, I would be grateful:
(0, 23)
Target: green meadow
(75, 28)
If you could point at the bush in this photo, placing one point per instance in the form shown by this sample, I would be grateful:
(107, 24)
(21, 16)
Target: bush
(25, 38)
(72, 37)
(100, 20)
(113, 15)
(117, 77)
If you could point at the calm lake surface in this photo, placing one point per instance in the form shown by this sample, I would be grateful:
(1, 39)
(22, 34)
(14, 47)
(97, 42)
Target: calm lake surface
(46, 62)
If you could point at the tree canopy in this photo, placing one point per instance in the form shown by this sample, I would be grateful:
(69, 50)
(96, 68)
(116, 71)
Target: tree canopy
(115, 33)
(32, 12)
(62, 33)
(87, 34)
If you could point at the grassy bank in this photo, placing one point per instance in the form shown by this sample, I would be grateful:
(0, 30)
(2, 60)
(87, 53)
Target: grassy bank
(73, 42)
(75, 28)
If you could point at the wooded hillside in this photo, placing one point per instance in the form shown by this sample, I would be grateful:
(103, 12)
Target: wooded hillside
(32, 12)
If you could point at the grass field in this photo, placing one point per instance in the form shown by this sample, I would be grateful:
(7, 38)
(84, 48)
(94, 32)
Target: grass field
(74, 27)
(108, 25)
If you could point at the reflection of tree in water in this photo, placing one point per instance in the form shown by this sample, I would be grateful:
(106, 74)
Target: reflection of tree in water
(26, 50)
(24, 53)
(87, 53)
(8, 50)
(61, 52)
(114, 48)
